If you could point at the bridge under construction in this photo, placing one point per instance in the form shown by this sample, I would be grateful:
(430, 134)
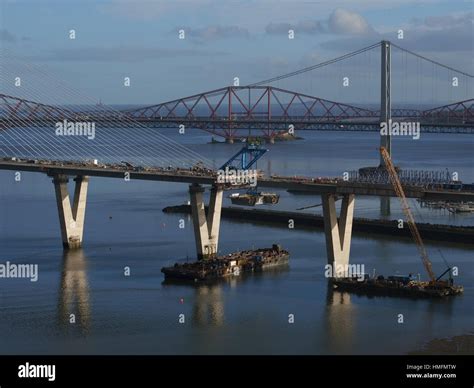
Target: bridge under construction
(30, 143)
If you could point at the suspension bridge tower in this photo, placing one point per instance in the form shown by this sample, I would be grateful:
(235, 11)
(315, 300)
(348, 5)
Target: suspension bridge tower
(385, 112)
(385, 100)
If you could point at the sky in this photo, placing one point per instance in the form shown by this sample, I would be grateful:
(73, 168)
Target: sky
(224, 39)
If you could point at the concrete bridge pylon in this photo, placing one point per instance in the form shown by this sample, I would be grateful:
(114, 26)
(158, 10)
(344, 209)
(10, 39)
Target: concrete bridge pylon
(71, 219)
(206, 228)
(338, 231)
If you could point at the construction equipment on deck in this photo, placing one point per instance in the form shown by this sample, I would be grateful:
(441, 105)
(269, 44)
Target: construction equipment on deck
(242, 161)
(434, 281)
(396, 285)
(245, 158)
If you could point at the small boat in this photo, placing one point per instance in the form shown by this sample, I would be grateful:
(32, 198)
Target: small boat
(462, 207)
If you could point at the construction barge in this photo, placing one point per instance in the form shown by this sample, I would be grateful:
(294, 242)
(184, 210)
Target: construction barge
(405, 286)
(435, 232)
(229, 265)
(402, 286)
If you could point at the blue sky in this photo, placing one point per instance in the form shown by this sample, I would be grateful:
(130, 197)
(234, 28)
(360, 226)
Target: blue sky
(224, 39)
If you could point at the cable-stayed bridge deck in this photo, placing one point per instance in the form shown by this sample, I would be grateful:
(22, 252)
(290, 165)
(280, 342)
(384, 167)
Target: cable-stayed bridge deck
(319, 186)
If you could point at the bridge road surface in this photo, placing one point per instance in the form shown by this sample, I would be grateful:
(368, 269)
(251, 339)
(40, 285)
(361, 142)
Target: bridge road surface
(185, 176)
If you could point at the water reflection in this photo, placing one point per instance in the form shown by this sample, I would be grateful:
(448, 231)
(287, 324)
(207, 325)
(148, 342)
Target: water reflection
(209, 305)
(340, 320)
(434, 308)
(74, 292)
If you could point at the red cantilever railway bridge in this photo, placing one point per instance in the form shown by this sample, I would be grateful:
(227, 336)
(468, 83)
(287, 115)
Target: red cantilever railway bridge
(232, 110)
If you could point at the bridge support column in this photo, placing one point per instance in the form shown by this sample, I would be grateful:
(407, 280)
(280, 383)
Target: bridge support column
(206, 229)
(71, 220)
(338, 232)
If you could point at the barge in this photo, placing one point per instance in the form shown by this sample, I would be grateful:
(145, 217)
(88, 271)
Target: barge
(403, 286)
(229, 265)
(435, 232)
(252, 199)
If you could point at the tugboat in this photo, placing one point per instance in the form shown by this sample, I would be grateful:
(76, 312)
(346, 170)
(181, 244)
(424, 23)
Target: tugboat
(405, 286)
(229, 265)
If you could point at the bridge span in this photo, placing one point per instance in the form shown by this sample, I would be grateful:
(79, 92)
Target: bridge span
(338, 230)
(317, 186)
(28, 131)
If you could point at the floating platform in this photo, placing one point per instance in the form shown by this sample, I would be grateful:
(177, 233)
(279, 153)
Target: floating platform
(434, 232)
(397, 286)
(254, 199)
(229, 265)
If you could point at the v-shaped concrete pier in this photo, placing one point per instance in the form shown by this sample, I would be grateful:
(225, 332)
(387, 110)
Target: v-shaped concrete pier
(71, 219)
(338, 232)
(206, 228)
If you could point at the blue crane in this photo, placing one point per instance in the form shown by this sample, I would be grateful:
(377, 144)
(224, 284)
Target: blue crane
(245, 158)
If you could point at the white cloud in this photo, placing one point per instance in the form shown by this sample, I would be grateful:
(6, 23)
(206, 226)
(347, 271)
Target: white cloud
(247, 12)
(304, 27)
(217, 32)
(342, 21)
(446, 21)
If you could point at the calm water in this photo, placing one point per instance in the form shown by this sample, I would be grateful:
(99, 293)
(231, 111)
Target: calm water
(138, 314)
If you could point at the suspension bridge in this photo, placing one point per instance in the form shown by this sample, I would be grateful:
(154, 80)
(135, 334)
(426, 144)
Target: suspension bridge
(127, 143)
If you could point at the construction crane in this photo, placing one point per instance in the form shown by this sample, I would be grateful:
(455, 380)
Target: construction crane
(406, 209)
